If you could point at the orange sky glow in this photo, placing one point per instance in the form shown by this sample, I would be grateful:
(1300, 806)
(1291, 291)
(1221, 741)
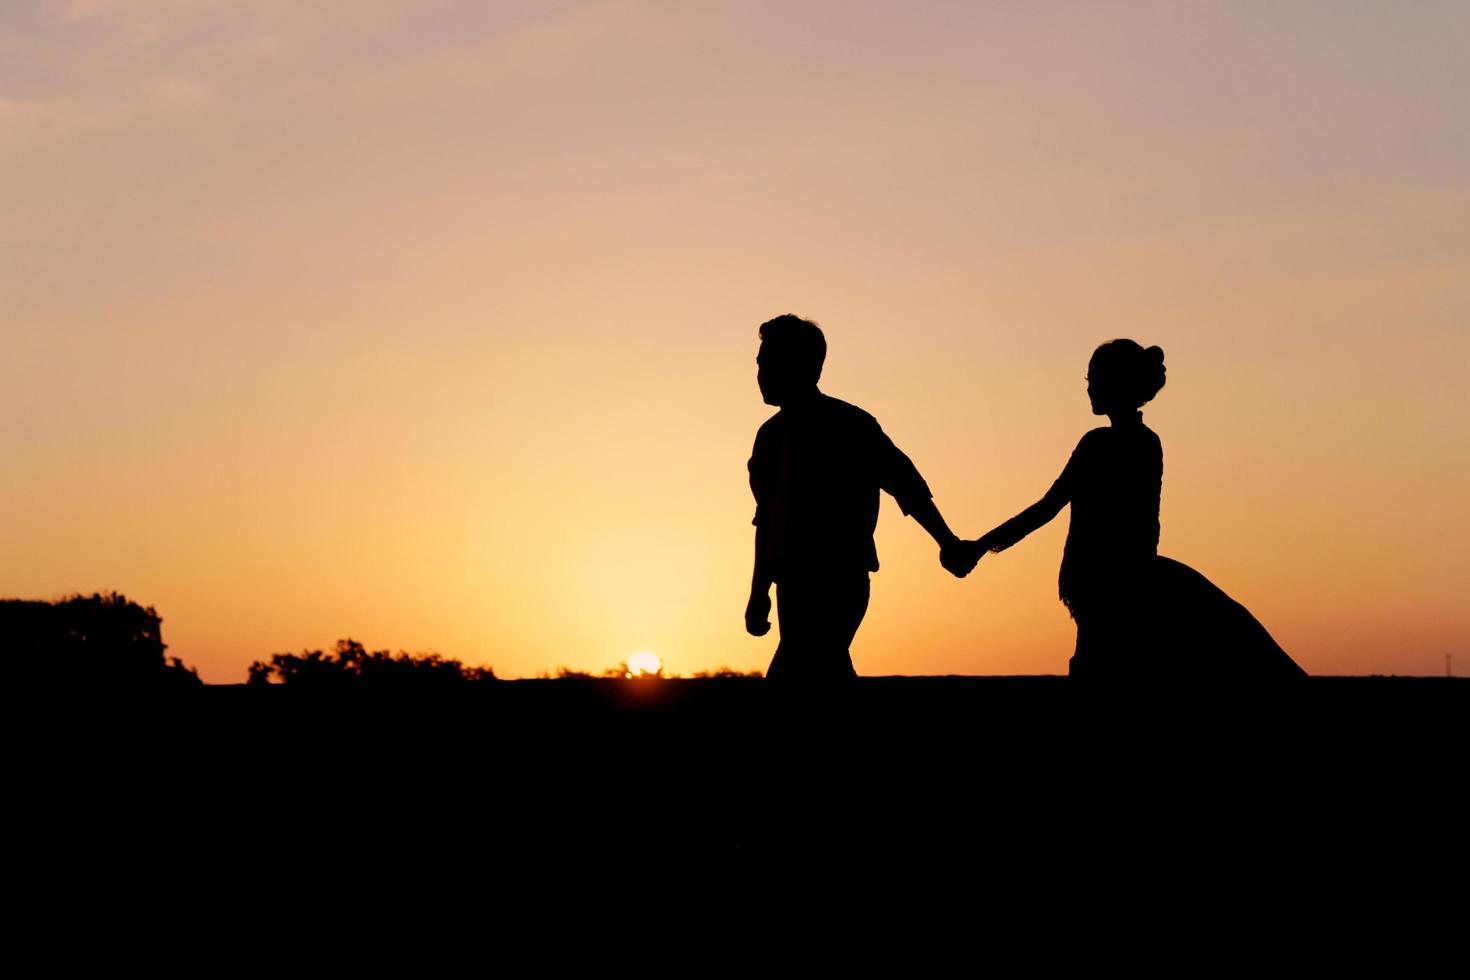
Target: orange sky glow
(434, 324)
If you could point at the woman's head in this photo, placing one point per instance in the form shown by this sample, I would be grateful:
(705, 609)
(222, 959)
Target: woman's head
(1122, 376)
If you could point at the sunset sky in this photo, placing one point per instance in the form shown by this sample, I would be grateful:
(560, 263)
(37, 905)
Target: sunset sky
(434, 324)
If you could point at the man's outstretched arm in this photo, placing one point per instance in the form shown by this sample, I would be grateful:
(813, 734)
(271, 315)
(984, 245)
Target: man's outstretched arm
(899, 476)
(957, 559)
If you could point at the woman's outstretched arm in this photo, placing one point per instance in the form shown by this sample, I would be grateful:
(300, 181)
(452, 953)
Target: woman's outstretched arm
(1033, 517)
(1039, 513)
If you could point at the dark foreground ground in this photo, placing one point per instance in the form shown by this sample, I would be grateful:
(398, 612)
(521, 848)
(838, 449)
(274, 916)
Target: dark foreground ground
(1344, 783)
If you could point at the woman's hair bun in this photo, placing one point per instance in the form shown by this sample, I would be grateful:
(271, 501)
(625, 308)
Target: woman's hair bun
(1130, 369)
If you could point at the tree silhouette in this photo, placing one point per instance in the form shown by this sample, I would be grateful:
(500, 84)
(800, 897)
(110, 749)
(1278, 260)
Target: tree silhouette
(96, 640)
(351, 665)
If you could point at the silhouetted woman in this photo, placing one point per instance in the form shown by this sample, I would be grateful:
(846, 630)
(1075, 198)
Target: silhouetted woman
(1140, 616)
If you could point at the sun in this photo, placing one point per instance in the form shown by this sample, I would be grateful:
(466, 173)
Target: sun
(644, 664)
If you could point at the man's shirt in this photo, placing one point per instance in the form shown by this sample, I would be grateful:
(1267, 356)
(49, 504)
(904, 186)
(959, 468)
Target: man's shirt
(816, 470)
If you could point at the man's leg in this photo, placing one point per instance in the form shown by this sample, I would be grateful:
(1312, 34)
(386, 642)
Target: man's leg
(818, 617)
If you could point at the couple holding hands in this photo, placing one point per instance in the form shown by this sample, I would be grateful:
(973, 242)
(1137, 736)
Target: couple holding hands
(818, 466)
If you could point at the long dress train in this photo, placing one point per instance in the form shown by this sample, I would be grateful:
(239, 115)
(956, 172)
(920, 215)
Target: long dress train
(1140, 616)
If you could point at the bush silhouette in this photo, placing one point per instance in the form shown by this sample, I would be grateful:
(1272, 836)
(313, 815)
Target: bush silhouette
(351, 665)
(96, 640)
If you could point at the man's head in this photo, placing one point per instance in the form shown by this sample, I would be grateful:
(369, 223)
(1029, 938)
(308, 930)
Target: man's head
(790, 360)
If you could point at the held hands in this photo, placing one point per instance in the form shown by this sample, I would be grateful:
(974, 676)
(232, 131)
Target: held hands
(758, 614)
(959, 558)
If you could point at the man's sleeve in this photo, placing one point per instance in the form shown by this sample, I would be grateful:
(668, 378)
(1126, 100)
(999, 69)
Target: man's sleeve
(761, 474)
(897, 474)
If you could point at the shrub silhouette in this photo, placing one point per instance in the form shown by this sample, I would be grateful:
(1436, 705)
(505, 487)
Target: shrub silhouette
(621, 670)
(96, 640)
(351, 665)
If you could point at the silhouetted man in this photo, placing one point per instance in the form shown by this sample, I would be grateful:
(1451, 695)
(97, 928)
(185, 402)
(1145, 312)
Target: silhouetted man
(816, 470)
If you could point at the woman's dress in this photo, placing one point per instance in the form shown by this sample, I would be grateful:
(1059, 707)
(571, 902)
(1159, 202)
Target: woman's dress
(1140, 616)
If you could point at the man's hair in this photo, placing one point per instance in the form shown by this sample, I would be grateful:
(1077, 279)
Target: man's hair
(799, 342)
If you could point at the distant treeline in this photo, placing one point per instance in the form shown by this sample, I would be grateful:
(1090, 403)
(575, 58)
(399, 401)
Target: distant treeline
(96, 640)
(109, 641)
(351, 665)
(621, 670)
